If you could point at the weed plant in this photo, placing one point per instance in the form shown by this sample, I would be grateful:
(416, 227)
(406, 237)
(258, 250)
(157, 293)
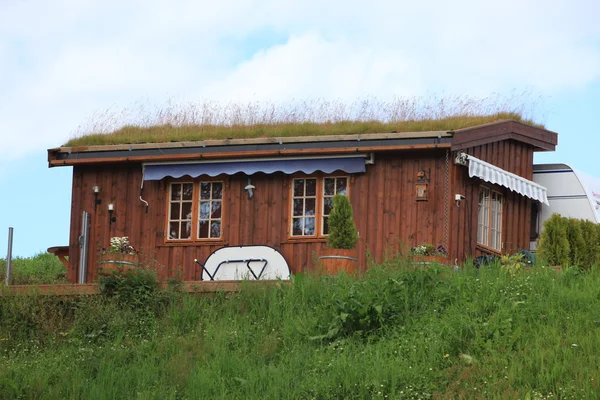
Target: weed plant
(395, 332)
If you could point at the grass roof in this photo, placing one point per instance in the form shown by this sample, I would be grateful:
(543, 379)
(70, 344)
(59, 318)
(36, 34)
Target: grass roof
(175, 124)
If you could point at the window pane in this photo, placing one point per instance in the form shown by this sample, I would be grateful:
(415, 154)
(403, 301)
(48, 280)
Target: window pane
(174, 230)
(310, 207)
(325, 225)
(297, 227)
(311, 187)
(175, 191)
(327, 205)
(309, 226)
(175, 211)
(341, 186)
(188, 191)
(298, 187)
(216, 209)
(203, 229)
(298, 207)
(186, 230)
(329, 189)
(217, 190)
(205, 190)
(215, 229)
(186, 210)
(204, 209)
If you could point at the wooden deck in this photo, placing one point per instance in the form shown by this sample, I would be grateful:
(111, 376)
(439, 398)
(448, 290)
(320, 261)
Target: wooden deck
(73, 289)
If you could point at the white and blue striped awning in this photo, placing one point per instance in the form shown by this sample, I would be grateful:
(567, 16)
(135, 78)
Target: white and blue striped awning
(496, 175)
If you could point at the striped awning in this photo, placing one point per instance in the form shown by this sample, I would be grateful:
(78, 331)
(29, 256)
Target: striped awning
(496, 175)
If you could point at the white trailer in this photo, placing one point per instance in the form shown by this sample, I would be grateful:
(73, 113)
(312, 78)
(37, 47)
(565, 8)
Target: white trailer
(571, 193)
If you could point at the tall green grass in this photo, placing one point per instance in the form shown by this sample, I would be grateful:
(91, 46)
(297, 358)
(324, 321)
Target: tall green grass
(396, 332)
(41, 268)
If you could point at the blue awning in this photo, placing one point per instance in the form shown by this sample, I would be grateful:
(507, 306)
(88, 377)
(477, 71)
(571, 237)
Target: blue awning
(351, 165)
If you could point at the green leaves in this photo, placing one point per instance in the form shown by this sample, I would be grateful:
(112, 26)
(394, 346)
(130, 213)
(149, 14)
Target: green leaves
(342, 230)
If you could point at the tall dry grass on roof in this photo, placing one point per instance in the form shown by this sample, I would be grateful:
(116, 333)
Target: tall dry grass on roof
(189, 121)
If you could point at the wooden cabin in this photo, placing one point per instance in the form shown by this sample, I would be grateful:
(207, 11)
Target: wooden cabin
(468, 190)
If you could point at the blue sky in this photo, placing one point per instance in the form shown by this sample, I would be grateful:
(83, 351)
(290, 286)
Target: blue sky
(65, 62)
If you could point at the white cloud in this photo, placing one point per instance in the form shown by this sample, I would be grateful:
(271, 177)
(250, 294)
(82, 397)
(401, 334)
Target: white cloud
(62, 61)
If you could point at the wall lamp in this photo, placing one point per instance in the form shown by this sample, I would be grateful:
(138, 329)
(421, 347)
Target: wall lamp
(250, 188)
(111, 218)
(96, 191)
(423, 179)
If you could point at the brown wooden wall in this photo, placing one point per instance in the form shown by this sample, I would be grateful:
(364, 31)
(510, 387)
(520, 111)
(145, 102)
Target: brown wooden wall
(386, 213)
(510, 155)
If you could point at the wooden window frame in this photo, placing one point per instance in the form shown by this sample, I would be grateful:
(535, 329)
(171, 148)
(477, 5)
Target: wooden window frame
(196, 211)
(488, 218)
(319, 205)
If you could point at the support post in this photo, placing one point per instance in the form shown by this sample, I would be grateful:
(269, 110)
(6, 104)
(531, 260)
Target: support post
(9, 256)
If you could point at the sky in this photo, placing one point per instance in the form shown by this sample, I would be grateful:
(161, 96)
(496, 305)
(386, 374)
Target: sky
(63, 63)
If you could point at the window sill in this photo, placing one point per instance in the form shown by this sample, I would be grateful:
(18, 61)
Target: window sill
(218, 242)
(488, 250)
(292, 240)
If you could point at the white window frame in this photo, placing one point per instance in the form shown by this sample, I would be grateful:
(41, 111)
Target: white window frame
(490, 218)
(320, 204)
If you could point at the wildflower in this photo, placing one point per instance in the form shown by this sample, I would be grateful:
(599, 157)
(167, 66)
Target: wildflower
(446, 355)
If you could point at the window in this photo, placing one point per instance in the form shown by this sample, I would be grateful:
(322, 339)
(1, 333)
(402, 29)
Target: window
(312, 203)
(489, 219)
(195, 211)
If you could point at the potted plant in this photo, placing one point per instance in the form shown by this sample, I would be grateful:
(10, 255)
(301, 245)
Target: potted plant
(427, 254)
(340, 253)
(120, 256)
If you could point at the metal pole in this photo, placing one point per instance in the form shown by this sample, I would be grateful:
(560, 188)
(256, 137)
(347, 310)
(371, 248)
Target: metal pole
(9, 256)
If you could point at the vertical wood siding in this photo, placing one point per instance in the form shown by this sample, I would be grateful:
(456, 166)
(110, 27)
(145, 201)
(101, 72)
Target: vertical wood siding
(511, 156)
(387, 215)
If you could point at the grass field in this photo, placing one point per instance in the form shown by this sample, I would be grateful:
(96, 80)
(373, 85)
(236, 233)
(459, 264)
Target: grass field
(393, 333)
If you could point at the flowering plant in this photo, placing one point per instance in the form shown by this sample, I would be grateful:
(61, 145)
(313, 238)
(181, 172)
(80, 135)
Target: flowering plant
(119, 245)
(429, 250)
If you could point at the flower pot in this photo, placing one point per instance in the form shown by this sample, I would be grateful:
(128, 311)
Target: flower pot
(335, 260)
(111, 262)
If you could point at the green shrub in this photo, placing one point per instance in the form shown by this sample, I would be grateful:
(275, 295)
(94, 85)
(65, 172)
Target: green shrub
(577, 245)
(591, 243)
(39, 269)
(554, 244)
(342, 230)
(570, 242)
(135, 288)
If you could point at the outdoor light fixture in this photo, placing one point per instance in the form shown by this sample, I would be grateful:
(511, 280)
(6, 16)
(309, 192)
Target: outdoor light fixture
(96, 190)
(111, 219)
(423, 178)
(250, 188)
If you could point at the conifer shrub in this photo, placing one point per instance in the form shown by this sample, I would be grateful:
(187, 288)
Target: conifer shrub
(342, 230)
(554, 241)
(577, 246)
(570, 242)
(591, 235)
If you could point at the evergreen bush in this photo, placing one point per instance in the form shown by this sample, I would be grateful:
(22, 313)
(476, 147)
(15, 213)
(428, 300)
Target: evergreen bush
(570, 242)
(577, 245)
(342, 230)
(554, 242)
